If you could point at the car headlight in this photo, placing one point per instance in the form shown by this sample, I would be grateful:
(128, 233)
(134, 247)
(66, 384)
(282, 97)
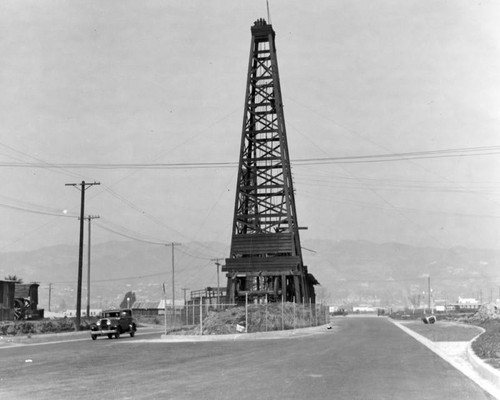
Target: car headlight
(98, 323)
(109, 322)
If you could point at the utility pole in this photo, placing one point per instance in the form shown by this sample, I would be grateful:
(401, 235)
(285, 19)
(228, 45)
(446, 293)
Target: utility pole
(184, 290)
(218, 285)
(89, 218)
(83, 186)
(185, 308)
(429, 292)
(173, 280)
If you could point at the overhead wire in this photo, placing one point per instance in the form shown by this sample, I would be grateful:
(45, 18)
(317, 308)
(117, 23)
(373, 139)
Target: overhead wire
(355, 159)
(382, 198)
(357, 203)
(490, 149)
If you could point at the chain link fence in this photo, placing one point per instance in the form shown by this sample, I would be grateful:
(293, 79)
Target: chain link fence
(209, 317)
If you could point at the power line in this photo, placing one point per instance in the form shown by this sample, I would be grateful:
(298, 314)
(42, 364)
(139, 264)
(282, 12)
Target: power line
(388, 157)
(128, 236)
(33, 211)
(135, 236)
(48, 165)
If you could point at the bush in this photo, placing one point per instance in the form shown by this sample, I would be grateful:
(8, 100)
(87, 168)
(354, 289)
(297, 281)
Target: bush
(43, 326)
(262, 318)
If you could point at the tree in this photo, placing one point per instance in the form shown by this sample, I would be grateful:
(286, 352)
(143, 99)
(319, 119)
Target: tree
(131, 300)
(63, 306)
(13, 278)
(415, 300)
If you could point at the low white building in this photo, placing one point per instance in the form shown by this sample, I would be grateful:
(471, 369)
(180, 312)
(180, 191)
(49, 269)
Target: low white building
(94, 312)
(364, 308)
(465, 303)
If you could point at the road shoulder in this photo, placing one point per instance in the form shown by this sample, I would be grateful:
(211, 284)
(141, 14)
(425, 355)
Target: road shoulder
(461, 356)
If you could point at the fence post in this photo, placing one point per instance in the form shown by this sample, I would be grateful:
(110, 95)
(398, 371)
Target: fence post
(165, 306)
(310, 313)
(201, 316)
(293, 312)
(246, 312)
(303, 310)
(282, 313)
(266, 312)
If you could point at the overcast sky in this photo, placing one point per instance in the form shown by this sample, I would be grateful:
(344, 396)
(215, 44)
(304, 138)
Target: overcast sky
(161, 82)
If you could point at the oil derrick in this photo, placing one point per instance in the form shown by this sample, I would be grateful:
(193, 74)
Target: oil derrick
(265, 259)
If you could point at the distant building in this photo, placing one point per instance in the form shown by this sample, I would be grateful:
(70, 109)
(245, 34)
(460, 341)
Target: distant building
(19, 301)
(467, 304)
(147, 308)
(94, 312)
(7, 289)
(179, 306)
(363, 308)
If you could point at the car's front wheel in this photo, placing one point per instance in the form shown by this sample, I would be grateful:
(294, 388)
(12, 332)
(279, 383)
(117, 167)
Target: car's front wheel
(132, 333)
(117, 334)
(94, 337)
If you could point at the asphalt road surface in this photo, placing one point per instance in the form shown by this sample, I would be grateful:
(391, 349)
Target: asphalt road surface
(361, 358)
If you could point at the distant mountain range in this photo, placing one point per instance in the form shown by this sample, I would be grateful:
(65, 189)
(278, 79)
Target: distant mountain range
(348, 271)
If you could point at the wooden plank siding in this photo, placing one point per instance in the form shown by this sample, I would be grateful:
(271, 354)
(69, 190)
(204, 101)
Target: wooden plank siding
(267, 264)
(264, 243)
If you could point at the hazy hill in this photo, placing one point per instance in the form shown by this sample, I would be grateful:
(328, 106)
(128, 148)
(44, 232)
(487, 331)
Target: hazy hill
(392, 272)
(349, 271)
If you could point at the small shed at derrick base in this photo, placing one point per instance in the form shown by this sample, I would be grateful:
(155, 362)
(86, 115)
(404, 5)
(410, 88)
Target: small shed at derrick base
(7, 290)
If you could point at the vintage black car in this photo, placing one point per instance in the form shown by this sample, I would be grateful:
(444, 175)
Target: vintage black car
(114, 323)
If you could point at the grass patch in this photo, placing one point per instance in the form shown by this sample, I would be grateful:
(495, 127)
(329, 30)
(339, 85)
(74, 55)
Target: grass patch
(444, 331)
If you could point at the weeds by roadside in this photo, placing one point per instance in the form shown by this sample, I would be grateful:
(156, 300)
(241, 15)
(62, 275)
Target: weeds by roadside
(16, 328)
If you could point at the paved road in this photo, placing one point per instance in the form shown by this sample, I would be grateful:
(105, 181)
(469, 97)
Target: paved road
(361, 358)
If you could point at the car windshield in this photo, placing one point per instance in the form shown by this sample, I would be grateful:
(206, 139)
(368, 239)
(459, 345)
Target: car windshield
(114, 314)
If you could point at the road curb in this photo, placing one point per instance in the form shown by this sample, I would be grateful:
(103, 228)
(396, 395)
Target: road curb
(482, 373)
(289, 333)
(484, 369)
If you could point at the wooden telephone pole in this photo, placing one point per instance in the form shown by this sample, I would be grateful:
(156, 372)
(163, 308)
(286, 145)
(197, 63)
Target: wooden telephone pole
(83, 186)
(89, 218)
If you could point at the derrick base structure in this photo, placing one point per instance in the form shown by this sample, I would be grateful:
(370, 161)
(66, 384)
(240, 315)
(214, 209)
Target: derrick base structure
(265, 262)
(264, 268)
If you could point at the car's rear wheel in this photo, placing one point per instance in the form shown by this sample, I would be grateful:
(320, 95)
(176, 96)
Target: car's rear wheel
(132, 333)
(110, 336)
(94, 337)
(117, 334)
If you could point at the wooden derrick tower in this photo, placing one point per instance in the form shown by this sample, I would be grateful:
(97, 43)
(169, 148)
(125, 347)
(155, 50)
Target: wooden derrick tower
(266, 259)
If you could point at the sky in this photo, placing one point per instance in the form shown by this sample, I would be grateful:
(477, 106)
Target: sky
(112, 84)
